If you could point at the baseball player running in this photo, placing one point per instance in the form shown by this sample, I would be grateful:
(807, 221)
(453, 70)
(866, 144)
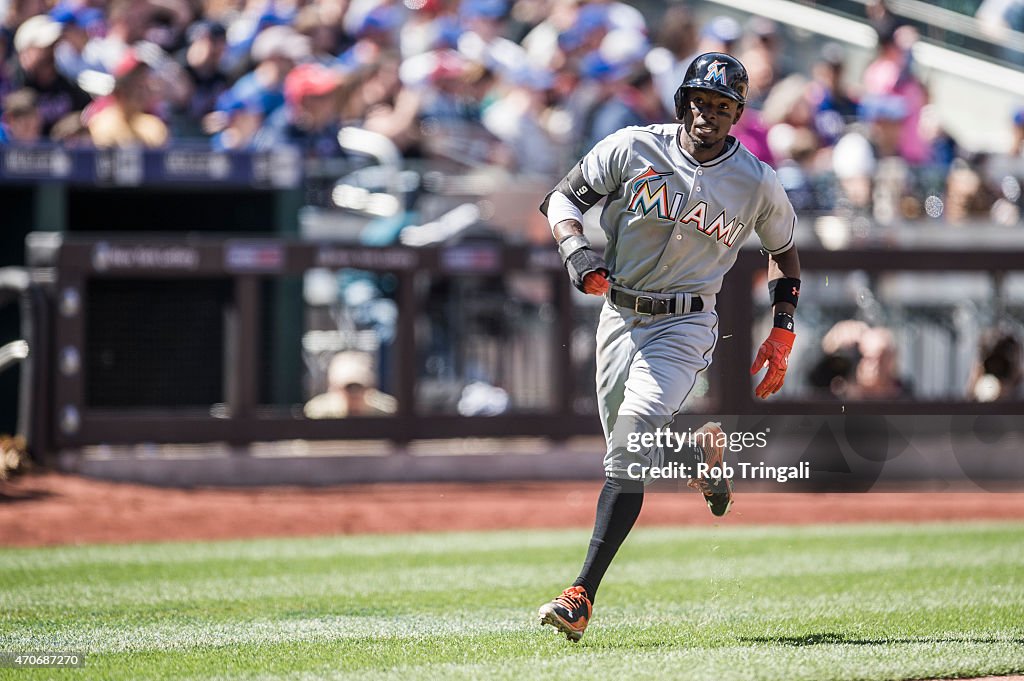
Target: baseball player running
(680, 201)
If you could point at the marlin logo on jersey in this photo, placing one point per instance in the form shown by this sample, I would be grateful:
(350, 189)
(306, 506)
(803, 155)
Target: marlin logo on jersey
(716, 72)
(648, 199)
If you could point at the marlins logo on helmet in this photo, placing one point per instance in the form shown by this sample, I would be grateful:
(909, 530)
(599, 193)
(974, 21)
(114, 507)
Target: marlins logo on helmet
(716, 72)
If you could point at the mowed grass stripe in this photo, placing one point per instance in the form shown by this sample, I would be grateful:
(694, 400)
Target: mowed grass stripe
(618, 651)
(114, 586)
(442, 543)
(233, 560)
(865, 602)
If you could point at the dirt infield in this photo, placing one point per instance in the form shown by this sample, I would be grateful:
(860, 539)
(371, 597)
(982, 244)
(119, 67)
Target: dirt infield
(51, 509)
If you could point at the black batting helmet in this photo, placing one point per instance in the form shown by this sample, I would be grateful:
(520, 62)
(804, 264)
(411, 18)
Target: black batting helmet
(715, 71)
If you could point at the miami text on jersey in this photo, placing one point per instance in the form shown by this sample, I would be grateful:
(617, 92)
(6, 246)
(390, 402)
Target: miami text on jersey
(717, 228)
(647, 199)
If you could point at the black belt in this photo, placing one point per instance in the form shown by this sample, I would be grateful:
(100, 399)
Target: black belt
(651, 304)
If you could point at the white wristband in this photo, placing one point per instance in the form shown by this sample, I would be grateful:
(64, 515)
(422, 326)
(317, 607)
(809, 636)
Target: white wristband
(561, 208)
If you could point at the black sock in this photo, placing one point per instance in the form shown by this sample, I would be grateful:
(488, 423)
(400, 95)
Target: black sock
(617, 510)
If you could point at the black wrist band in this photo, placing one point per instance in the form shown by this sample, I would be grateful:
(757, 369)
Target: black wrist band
(784, 290)
(784, 320)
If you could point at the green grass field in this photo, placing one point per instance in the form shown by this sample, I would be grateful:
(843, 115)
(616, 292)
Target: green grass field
(815, 603)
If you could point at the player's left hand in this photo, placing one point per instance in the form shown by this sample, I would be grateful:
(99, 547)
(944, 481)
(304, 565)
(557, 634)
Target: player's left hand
(775, 353)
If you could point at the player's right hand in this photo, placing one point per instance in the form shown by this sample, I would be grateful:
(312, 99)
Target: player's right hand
(596, 283)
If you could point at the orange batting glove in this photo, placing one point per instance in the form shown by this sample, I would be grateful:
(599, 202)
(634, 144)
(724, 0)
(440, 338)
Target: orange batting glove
(596, 283)
(775, 353)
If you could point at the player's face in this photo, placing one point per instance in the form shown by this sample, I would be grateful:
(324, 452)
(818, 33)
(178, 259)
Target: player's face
(709, 117)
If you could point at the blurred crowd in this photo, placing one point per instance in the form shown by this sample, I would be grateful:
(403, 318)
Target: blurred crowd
(859, 361)
(528, 85)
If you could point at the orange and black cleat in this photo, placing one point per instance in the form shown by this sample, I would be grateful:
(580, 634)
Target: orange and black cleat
(569, 613)
(717, 491)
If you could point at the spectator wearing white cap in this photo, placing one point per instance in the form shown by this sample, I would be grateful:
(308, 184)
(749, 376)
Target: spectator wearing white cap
(351, 390)
(57, 96)
(15, 13)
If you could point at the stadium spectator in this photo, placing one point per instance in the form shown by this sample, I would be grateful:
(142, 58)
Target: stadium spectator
(201, 61)
(275, 51)
(71, 132)
(797, 168)
(127, 23)
(764, 57)
(18, 12)
(967, 195)
(835, 104)
(482, 40)
(676, 40)
(315, 22)
(622, 16)
(57, 96)
(375, 33)
(311, 116)
(241, 121)
(762, 77)
(569, 31)
(122, 119)
(21, 123)
(453, 91)
(1005, 174)
(856, 155)
(721, 34)
(881, 17)
(877, 373)
(78, 22)
(489, 81)
(788, 109)
(630, 99)
(386, 106)
(997, 374)
(891, 74)
(865, 362)
(517, 118)
(351, 390)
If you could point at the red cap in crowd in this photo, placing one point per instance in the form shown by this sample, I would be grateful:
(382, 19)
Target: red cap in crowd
(310, 80)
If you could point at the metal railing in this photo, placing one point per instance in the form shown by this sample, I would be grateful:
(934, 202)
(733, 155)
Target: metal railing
(244, 263)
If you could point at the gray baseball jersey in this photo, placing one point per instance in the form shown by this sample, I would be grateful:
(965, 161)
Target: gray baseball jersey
(675, 224)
